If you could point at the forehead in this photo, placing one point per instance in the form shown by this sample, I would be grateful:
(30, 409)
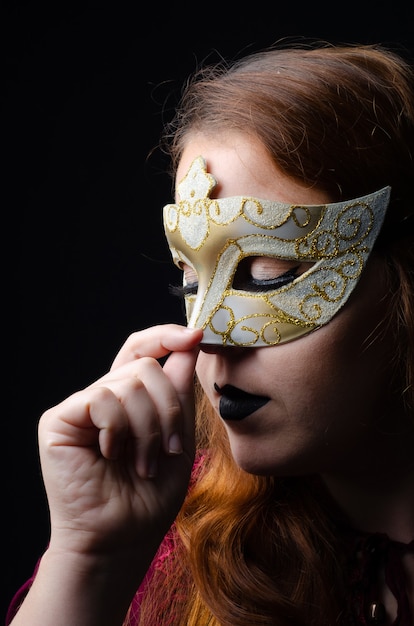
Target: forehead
(241, 165)
(319, 230)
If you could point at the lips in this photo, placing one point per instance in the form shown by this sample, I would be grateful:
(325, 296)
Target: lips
(236, 404)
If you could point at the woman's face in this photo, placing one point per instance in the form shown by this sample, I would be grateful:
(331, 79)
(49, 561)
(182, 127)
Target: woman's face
(317, 400)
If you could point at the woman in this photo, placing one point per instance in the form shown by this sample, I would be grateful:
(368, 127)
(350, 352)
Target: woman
(292, 502)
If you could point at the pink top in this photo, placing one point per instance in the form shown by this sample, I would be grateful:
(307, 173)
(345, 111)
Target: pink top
(374, 553)
(369, 557)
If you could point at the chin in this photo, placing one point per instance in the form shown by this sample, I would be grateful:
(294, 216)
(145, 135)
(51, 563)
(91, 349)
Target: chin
(262, 465)
(254, 465)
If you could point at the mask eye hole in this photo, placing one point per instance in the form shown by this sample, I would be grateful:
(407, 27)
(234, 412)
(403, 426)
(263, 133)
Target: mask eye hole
(262, 274)
(190, 282)
(190, 278)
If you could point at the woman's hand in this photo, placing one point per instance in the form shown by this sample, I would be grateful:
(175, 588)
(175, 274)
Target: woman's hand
(117, 456)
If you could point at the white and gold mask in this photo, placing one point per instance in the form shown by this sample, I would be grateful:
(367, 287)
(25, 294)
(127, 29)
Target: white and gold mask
(214, 235)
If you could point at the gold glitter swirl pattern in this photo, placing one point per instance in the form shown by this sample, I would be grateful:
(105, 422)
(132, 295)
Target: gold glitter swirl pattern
(214, 235)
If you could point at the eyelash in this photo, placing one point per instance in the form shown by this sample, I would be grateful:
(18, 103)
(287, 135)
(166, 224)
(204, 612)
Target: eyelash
(181, 291)
(252, 285)
(269, 284)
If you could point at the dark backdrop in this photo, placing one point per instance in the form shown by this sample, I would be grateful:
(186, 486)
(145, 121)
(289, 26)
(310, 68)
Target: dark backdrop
(87, 91)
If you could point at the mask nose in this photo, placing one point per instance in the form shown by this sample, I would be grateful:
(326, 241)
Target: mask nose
(217, 348)
(211, 348)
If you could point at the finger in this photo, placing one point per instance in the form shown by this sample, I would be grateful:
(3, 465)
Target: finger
(170, 402)
(110, 417)
(119, 423)
(165, 400)
(157, 342)
(89, 418)
(144, 426)
(180, 369)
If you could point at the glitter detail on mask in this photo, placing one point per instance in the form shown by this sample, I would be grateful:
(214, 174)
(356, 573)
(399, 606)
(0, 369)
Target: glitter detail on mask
(214, 235)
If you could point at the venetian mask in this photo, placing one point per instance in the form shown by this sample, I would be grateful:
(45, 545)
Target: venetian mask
(213, 236)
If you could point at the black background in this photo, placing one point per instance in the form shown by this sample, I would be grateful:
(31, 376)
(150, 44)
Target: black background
(85, 263)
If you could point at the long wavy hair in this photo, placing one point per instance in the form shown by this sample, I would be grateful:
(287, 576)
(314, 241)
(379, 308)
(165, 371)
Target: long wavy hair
(253, 550)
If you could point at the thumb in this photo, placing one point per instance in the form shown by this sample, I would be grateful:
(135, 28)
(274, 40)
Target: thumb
(180, 369)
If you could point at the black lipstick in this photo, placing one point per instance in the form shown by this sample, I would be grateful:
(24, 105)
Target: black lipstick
(236, 404)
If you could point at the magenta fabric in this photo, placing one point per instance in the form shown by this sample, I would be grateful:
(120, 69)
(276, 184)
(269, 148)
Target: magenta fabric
(368, 555)
(19, 596)
(377, 551)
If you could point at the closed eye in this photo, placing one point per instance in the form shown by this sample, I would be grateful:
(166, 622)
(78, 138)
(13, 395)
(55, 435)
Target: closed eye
(265, 284)
(253, 274)
(262, 274)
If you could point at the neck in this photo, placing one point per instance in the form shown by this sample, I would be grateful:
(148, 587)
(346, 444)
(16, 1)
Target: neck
(377, 501)
(374, 485)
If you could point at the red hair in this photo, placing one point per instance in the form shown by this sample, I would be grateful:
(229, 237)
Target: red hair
(253, 550)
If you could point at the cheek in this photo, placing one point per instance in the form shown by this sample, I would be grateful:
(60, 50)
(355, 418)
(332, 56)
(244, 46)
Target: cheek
(346, 361)
(350, 357)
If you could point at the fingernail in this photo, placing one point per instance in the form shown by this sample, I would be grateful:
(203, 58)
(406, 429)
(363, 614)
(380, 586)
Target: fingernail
(174, 444)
